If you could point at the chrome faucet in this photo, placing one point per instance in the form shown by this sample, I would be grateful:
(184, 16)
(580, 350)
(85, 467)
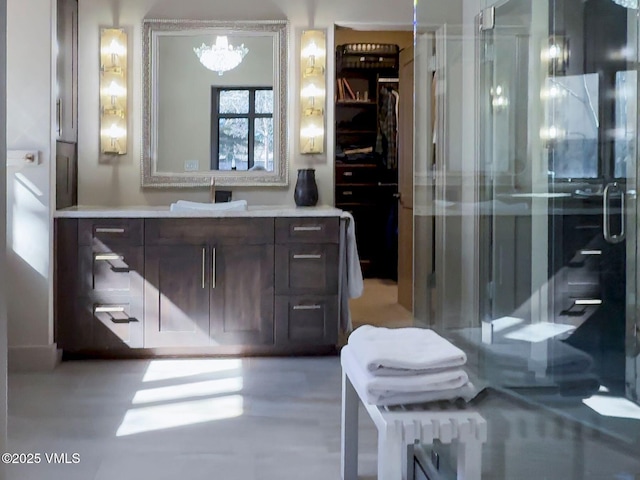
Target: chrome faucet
(212, 190)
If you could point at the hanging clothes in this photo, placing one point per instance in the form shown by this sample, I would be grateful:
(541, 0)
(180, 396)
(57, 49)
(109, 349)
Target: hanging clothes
(387, 139)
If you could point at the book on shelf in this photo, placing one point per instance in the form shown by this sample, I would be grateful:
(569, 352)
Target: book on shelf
(348, 88)
(340, 90)
(345, 92)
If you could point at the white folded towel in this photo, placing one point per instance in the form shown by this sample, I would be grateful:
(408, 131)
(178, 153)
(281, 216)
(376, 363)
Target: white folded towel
(182, 205)
(403, 351)
(375, 390)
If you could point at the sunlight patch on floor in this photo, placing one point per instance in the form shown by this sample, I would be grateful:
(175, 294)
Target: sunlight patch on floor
(161, 417)
(613, 407)
(539, 332)
(172, 369)
(189, 390)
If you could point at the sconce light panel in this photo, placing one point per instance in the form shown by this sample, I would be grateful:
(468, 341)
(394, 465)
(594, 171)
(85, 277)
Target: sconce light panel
(313, 91)
(556, 54)
(113, 91)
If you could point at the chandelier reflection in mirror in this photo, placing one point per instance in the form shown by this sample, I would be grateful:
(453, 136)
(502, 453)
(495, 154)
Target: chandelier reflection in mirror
(627, 3)
(221, 56)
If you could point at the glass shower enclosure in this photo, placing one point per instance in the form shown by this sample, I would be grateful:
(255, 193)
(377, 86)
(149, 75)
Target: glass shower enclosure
(557, 109)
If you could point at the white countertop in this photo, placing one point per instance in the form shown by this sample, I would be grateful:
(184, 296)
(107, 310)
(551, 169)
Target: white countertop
(163, 212)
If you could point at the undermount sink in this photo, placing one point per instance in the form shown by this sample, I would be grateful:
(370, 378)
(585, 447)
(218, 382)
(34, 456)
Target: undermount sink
(184, 205)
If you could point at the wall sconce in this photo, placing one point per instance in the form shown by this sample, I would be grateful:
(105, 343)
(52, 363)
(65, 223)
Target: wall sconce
(551, 134)
(499, 100)
(556, 54)
(113, 91)
(313, 90)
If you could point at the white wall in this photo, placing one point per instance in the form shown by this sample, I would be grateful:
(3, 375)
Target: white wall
(29, 232)
(3, 230)
(119, 183)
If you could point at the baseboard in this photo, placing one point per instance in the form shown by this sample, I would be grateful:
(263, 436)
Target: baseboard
(40, 358)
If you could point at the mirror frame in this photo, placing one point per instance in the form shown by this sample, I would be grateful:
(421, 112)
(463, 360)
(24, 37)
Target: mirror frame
(155, 28)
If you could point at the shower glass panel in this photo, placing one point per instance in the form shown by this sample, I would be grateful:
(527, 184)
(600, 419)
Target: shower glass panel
(557, 123)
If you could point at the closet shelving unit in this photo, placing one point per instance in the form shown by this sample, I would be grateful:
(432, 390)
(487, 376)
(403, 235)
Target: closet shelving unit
(364, 185)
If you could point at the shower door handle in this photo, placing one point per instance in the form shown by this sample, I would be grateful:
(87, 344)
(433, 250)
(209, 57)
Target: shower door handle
(606, 209)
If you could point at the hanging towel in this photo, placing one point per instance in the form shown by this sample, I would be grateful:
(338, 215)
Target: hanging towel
(375, 390)
(403, 351)
(352, 284)
(355, 282)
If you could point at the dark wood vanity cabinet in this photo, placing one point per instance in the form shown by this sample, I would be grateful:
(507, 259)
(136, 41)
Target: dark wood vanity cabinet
(209, 281)
(220, 285)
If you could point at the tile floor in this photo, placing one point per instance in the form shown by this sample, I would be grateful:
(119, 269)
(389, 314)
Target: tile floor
(257, 419)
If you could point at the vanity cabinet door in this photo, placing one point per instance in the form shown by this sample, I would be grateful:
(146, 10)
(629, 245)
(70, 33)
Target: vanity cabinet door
(176, 295)
(242, 294)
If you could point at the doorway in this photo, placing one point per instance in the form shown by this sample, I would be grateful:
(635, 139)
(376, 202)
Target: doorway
(374, 163)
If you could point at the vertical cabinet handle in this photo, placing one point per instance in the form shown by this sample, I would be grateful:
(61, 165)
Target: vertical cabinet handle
(59, 116)
(204, 260)
(213, 267)
(606, 205)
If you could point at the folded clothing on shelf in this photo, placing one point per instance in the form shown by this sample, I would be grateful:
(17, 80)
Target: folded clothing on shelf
(403, 351)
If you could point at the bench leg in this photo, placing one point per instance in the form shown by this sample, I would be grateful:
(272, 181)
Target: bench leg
(390, 453)
(349, 439)
(470, 460)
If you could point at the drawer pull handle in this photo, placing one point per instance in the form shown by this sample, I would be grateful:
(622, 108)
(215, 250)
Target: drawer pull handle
(307, 229)
(348, 193)
(109, 230)
(307, 257)
(307, 307)
(104, 309)
(590, 252)
(588, 301)
(107, 257)
(348, 174)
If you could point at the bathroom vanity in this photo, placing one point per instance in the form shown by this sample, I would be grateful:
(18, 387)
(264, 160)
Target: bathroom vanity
(154, 282)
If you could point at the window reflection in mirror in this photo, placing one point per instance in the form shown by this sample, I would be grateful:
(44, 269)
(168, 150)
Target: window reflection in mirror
(573, 118)
(242, 128)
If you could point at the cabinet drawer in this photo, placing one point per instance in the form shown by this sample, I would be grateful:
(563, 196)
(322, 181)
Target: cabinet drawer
(117, 271)
(220, 231)
(358, 195)
(110, 231)
(307, 269)
(103, 322)
(306, 320)
(308, 230)
(356, 175)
